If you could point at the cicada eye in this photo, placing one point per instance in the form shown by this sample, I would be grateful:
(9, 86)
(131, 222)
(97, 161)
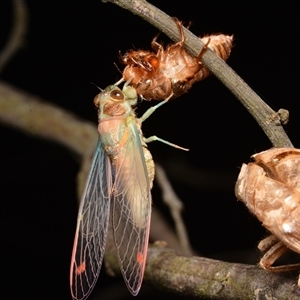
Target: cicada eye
(117, 95)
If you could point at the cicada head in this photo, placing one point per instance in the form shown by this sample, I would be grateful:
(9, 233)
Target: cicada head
(112, 102)
(103, 95)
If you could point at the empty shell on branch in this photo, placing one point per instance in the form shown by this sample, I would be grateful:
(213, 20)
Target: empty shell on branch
(270, 187)
(162, 72)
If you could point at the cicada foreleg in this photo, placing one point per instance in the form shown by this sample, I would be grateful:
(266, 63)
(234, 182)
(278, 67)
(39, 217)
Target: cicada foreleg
(152, 109)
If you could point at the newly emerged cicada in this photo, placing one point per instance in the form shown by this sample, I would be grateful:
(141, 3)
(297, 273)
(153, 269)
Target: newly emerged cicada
(120, 180)
(159, 73)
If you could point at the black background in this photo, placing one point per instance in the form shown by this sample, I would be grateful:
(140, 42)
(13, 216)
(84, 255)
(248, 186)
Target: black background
(72, 43)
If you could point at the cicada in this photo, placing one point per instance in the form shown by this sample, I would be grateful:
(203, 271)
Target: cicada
(120, 180)
(159, 73)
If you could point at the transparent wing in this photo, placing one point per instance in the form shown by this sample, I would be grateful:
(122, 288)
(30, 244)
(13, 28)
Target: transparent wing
(92, 225)
(131, 211)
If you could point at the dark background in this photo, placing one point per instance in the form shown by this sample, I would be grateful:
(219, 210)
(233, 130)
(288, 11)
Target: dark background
(72, 43)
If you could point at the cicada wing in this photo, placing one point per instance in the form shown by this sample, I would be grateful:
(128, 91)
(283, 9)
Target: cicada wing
(92, 226)
(131, 211)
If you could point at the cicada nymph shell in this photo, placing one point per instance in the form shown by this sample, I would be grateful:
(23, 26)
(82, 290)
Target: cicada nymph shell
(270, 188)
(163, 71)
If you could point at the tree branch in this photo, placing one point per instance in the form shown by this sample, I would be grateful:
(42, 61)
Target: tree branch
(207, 278)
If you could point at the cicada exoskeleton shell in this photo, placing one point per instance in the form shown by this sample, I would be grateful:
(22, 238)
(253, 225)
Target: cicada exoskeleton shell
(172, 70)
(270, 188)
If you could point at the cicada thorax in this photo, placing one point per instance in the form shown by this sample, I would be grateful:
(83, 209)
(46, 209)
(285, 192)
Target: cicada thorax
(172, 70)
(112, 113)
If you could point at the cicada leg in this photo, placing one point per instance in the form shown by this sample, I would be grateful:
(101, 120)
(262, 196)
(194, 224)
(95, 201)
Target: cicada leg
(152, 109)
(272, 254)
(153, 138)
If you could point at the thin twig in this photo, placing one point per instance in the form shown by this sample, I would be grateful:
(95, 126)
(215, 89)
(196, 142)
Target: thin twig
(175, 206)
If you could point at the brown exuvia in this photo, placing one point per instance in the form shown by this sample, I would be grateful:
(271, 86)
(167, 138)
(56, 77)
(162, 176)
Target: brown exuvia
(163, 72)
(270, 188)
